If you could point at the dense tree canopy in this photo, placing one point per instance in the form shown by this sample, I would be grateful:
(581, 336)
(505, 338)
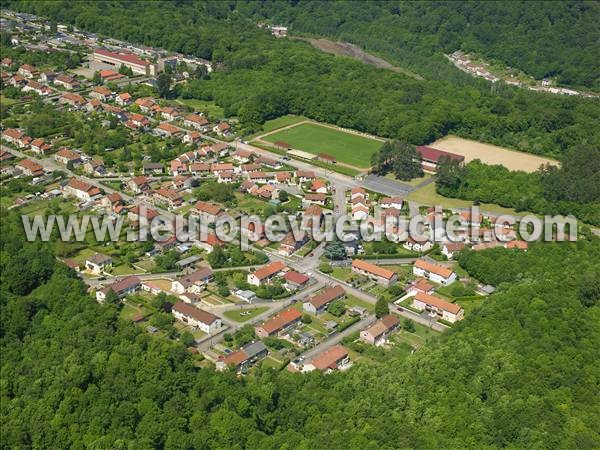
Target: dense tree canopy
(261, 77)
(519, 371)
(544, 39)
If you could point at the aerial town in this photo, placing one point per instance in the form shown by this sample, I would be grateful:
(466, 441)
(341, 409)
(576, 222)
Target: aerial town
(301, 304)
(305, 224)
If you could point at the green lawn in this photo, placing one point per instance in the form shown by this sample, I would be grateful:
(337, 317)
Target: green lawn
(277, 123)
(353, 301)
(250, 313)
(209, 108)
(341, 273)
(428, 196)
(313, 138)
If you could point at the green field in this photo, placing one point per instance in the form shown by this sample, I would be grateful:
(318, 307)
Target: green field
(313, 138)
(236, 315)
(211, 109)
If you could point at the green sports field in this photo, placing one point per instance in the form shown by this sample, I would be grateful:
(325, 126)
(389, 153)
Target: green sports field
(313, 138)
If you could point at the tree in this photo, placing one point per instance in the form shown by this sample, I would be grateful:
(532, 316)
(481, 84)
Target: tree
(163, 84)
(335, 250)
(97, 79)
(336, 308)
(589, 289)
(283, 196)
(306, 318)
(409, 325)
(382, 308)
(217, 258)
(187, 338)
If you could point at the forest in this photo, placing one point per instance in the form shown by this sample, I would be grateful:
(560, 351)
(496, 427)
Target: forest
(520, 371)
(260, 77)
(574, 188)
(542, 38)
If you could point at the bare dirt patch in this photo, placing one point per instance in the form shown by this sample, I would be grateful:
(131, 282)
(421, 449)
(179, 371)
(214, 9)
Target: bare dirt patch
(492, 154)
(355, 52)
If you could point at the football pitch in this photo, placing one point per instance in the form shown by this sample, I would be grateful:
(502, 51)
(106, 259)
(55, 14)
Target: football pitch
(347, 148)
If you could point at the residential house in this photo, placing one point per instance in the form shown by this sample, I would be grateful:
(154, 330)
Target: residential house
(121, 288)
(101, 93)
(67, 157)
(72, 99)
(222, 129)
(227, 176)
(93, 105)
(319, 186)
(210, 243)
(12, 135)
(450, 312)
(420, 285)
(199, 169)
(66, 81)
(196, 121)
(278, 324)
(266, 273)
(98, 263)
(332, 359)
(146, 105)
(450, 249)
(167, 130)
(113, 202)
(359, 192)
(312, 217)
(138, 184)
(378, 333)
(94, 167)
(284, 177)
(191, 137)
(108, 75)
(189, 314)
(123, 99)
(216, 168)
(138, 121)
(382, 276)
(39, 89)
(242, 359)
(152, 168)
(296, 280)
(167, 197)
(169, 113)
(316, 199)
(391, 202)
(28, 71)
(417, 245)
(82, 190)
(289, 244)
(30, 168)
(434, 272)
(47, 76)
(207, 212)
(318, 304)
(305, 175)
(268, 162)
(194, 282)
(259, 177)
(242, 156)
(40, 146)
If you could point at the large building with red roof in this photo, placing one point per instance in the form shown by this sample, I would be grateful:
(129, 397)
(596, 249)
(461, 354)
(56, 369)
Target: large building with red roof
(127, 59)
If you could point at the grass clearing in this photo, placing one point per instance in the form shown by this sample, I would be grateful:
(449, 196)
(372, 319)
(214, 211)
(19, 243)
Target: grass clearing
(313, 138)
(236, 314)
(209, 108)
(428, 196)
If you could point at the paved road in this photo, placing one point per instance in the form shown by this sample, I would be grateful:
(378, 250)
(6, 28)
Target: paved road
(337, 337)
